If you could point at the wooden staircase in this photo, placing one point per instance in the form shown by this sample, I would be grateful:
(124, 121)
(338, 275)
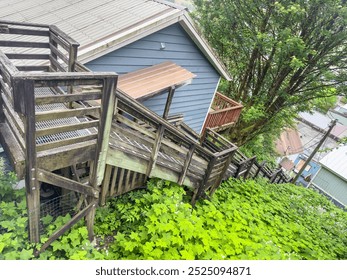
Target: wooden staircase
(55, 115)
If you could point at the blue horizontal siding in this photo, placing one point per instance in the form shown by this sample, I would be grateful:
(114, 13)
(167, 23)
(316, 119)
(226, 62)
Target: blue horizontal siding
(192, 100)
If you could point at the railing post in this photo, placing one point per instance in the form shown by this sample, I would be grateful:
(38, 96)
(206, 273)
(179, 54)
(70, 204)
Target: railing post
(225, 168)
(72, 57)
(186, 164)
(25, 105)
(204, 182)
(108, 103)
(168, 102)
(155, 150)
(260, 168)
(2, 115)
(251, 162)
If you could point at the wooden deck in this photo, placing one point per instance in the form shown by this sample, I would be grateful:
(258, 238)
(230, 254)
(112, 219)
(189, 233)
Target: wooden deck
(57, 115)
(224, 113)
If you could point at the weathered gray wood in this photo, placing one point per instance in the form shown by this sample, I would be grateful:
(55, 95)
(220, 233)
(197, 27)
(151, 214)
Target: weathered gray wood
(49, 99)
(31, 56)
(106, 185)
(113, 182)
(168, 102)
(186, 164)
(66, 155)
(65, 183)
(120, 182)
(56, 65)
(107, 109)
(155, 150)
(223, 171)
(22, 44)
(72, 57)
(33, 68)
(199, 191)
(31, 182)
(250, 164)
(59, 41)
(65, 113)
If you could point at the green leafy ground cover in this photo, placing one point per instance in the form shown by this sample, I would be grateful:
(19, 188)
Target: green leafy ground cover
(243, 220)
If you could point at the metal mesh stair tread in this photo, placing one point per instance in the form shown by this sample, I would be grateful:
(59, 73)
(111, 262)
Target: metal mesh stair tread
(44, 91)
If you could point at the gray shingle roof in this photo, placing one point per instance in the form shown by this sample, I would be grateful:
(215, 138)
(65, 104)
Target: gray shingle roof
(105, 25)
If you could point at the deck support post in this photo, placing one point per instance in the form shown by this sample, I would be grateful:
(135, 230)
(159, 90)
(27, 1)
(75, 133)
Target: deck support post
(25, 105)
(108, 103)
(204, 182)
(168, 102)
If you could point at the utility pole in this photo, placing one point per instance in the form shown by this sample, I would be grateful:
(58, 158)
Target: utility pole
(331, 126)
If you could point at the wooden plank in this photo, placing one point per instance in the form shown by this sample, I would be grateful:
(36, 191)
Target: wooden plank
(186, 164)
(120, 182)
(12, 149)
(56, 65)
(31, 56)
(127, 181)
(65, 183)
(59, 41)
(49, 99)
(18, 122)
(66, 128)
(168, 102)
(19, 136)
(55, 53)
(203, 184)
(65, 113)
(108, 103)
(65, 142)
(155, 150)
(66, 227)
(33, 68)
(66, 155)
(105, 189)
(146, 82)
(113, 182)
(23, 44)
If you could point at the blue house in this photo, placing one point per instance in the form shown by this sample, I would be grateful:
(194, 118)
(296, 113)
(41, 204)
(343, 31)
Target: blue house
(309, 172)
(125, 36)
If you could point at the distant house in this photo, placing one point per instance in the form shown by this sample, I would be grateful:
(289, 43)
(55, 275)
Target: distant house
(308, 173)
(331, 179)
(125, 36)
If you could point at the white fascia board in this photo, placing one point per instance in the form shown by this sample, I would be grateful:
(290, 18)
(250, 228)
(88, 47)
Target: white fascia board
(188, 25)
(128, 36)
(214, 95)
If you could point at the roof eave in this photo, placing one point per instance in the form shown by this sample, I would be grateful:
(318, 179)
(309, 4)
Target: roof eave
(188, 25)
(128, 36)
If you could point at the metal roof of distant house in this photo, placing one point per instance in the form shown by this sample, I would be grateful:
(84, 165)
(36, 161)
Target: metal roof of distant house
(106, 25)
(322, 122)
(336, 161)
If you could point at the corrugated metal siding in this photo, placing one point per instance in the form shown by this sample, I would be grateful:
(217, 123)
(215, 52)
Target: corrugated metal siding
(192, 100)
(331, 184)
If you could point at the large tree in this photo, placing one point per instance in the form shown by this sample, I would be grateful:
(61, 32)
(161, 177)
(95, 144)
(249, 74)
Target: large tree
(282, 55)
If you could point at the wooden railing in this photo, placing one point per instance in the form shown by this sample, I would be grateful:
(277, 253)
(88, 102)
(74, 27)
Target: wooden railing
(224, 113)
(49, 49)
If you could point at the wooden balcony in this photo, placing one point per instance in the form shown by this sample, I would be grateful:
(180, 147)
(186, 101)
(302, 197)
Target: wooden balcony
(224, 113)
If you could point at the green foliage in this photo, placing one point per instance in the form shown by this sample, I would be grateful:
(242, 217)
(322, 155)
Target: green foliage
(243, 220)
(324, 104)
(282, 56)
(14, 243)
